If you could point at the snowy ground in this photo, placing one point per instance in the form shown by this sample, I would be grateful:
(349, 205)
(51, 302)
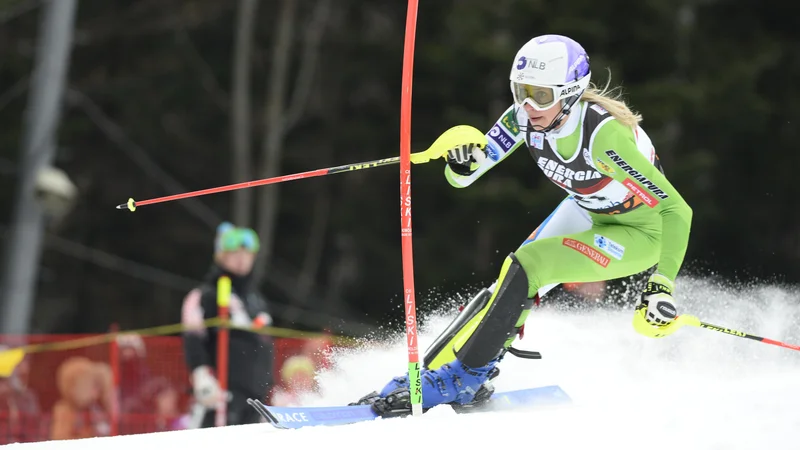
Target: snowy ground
(696, 389)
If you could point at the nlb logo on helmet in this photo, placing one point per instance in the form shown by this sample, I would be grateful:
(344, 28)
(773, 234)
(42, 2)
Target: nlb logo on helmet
(532, 64)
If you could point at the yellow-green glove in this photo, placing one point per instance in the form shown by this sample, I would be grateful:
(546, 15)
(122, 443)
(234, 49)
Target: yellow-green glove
(655, 311)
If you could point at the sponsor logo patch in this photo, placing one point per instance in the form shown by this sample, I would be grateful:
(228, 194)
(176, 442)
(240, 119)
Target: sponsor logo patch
(537, 140)
(493, 152)
(593, 254)
(510, 122)
(524, 62)
(501, 138)
(292, 417)
(635, 175)
(648, 199)
(568, 91)
(564, 176)
(587, 156)
(604, 167)
(607, 245)
(599, 109)
(666, 310)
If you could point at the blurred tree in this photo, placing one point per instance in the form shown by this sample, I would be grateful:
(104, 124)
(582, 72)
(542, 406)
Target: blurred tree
(282, 113)
(241, 130)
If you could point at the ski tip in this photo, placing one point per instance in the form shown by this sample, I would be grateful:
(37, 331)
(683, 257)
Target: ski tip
(131, 205)
(262, 410)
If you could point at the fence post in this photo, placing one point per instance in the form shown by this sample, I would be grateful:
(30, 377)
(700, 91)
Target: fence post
(113, 359)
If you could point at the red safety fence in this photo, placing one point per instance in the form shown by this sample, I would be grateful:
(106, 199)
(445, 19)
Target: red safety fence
(140, 385)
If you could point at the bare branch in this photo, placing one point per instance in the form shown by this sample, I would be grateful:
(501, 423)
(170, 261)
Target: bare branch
(116, 134)
(16, 90)
(19, 9)
(313, 36)
(274, 131)
(175, 124)
(192, 16)
(207, 77)
(314, 249)
(116, 263)
(241, 130)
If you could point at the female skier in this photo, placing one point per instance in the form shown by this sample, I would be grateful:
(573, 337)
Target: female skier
(621, 217)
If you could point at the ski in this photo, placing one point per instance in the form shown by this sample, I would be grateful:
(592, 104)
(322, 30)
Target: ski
(298, 417)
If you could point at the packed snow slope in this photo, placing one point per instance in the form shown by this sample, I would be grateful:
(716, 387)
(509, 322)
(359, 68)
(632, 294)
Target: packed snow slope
(696, 389)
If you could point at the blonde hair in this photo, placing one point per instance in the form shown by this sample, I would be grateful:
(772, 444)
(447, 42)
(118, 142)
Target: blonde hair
(611, 100)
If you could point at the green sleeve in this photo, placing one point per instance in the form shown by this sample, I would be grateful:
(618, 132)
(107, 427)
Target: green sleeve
(462, 181)
(615, 146)
(502, 139)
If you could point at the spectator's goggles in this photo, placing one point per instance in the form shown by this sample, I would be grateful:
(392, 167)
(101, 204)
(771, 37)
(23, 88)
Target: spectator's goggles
(238, 238)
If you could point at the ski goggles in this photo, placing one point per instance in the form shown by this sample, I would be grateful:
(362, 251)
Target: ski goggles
(542, 98)
(238, 238)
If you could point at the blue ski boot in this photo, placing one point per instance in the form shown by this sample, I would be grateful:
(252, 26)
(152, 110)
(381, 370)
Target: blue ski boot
(467, 351)
(454, 383)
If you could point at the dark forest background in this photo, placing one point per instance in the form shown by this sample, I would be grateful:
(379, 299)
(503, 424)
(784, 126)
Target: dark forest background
(166, 96)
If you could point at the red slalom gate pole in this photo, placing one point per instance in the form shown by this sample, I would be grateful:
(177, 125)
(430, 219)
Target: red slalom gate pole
(223, 339)
(415, 384)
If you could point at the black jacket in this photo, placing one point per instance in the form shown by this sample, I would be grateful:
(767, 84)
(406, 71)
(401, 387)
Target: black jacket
(250, 355)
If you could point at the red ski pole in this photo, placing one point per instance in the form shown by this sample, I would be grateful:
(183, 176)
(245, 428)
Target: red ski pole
(456, 136)
(686, 319)
(741, 334)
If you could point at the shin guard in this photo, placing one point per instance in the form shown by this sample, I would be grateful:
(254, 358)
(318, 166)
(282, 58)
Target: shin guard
(488, 325)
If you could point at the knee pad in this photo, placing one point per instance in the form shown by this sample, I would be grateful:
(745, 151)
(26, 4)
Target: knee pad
(488, 325)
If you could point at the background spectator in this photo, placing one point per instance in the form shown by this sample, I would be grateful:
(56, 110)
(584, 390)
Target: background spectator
(250, 354)
(86, 402)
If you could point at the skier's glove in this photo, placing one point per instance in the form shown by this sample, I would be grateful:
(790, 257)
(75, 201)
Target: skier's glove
(655, 310)
(206, 388)
(465, 159)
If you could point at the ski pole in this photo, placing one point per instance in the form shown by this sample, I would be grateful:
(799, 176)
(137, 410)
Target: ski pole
(695, 322)
(455, 136)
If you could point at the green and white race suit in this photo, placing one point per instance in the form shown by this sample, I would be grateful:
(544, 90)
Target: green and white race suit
(621, 215)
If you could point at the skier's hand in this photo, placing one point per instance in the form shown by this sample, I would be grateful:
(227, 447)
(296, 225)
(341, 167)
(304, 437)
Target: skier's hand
(655, 310)
(466, 158)
(206, 388)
